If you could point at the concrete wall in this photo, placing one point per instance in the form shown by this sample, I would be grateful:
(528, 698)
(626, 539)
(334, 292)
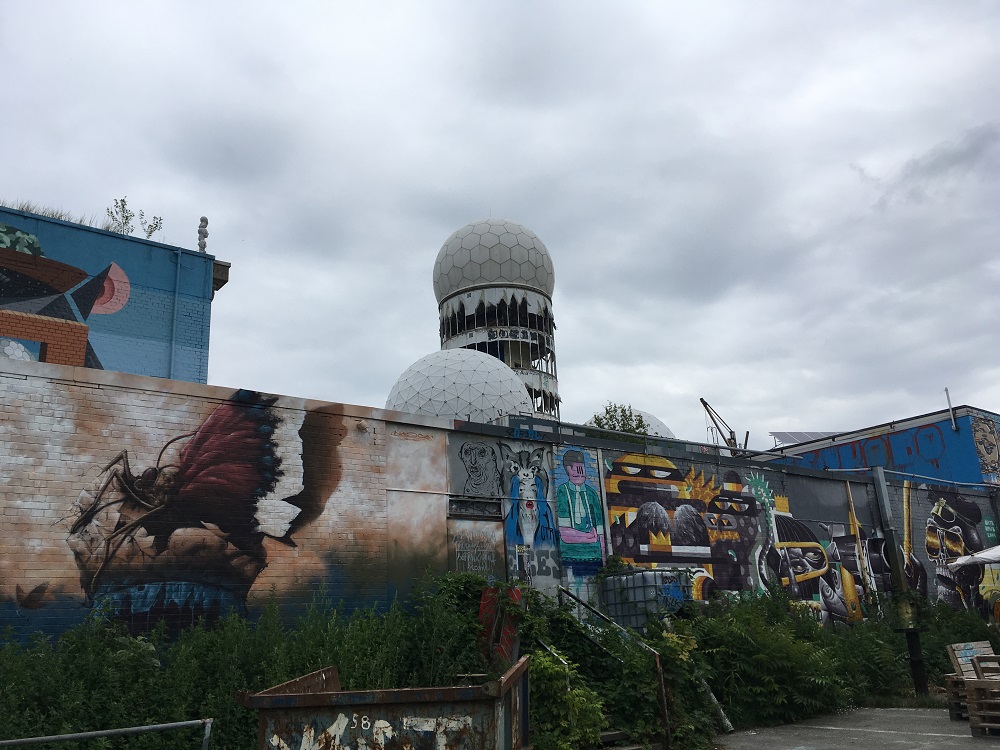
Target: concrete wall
(162, 498)
(143, 307)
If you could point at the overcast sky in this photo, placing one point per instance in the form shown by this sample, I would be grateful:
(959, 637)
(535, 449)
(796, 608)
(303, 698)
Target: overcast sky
(787, 208)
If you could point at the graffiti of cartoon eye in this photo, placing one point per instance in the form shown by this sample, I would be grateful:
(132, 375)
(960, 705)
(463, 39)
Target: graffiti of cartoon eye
(815, 557)
(633, 470)
(659, 473)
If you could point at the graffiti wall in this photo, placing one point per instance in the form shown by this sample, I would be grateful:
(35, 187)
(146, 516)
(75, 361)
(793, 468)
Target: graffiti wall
(741, 528)
(986, 438)
(149, 498)
(511, 481)
(969, 454)
(74, 295)
(580, 515)
(939, 525)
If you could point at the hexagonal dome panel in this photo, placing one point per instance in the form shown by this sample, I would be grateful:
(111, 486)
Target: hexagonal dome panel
(460, 384)
(11, 349)
(478, 253)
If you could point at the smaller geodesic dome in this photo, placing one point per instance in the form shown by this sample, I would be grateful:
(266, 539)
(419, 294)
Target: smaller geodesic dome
(655, 424)
(460, 384)
(11, 349)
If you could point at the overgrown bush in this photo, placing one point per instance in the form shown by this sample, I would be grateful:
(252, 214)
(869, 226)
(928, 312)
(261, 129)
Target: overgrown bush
(564, 713)
(770, 662)
(95, 676)
(623, 673)
(766, 669)
(766, 660)
(946, 625)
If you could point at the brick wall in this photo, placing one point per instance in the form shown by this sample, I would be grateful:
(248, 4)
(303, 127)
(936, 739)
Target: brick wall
(66, 495)
(64, 342)
(164, 498)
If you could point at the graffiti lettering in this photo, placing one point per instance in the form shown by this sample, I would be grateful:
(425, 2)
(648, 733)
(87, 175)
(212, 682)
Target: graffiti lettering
(542, 566)
(475, 552)
(411, 435)
(518, 434)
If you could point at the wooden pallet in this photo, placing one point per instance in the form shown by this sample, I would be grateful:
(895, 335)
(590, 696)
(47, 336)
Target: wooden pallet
(984, 706)
(954, 686)
(963, 657)
(962, 654)
(987, 667)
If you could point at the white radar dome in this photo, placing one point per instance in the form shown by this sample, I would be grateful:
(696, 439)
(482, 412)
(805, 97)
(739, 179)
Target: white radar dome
(655, 424)
(460, 384)
(492, 252)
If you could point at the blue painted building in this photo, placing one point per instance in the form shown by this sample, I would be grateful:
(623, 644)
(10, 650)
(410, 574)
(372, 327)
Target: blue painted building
(74, 294)
(951, 446)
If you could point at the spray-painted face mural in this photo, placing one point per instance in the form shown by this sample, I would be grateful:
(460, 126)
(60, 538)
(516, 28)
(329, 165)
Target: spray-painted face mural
(659, 516)
(529, 523)
(952, 531)
(731, 519)
(582, 543)
(483, 475)
(737, 535)
(984, 434)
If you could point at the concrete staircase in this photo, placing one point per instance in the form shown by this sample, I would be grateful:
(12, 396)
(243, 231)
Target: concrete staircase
(618, 741)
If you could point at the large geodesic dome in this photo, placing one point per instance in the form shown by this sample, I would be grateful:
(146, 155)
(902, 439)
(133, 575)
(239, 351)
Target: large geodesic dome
(493, 252)
(460, 384)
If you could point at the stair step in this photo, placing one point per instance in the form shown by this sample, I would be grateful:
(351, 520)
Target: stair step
(618, 741)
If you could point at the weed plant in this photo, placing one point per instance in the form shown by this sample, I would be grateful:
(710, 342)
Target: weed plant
(766, 660)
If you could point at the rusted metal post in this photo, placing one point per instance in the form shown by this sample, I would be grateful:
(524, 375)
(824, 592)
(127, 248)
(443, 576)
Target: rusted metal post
(662, 690)
(207, 723)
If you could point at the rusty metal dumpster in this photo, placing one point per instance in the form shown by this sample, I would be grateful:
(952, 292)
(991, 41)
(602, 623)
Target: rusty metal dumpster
(312, 713)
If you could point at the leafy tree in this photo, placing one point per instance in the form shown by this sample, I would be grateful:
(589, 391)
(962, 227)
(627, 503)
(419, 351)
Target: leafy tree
(120, 219)
(621, 418)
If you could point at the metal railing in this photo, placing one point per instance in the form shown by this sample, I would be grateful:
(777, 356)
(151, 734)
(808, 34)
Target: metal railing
(207, 723)
(724, 722)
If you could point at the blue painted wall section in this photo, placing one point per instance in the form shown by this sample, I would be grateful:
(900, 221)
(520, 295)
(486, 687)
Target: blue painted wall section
(152, 312)
(929, 450)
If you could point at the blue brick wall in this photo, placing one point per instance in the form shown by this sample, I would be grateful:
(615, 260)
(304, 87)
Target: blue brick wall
(163, 329)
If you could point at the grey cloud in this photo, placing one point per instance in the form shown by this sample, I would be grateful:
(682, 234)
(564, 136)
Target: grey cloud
(923, 176)
(230, 148)
(687, 170)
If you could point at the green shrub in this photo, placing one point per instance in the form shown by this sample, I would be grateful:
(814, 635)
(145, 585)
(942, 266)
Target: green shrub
(96, 676)
(564, 714)
(766, 668)
(766, 660)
